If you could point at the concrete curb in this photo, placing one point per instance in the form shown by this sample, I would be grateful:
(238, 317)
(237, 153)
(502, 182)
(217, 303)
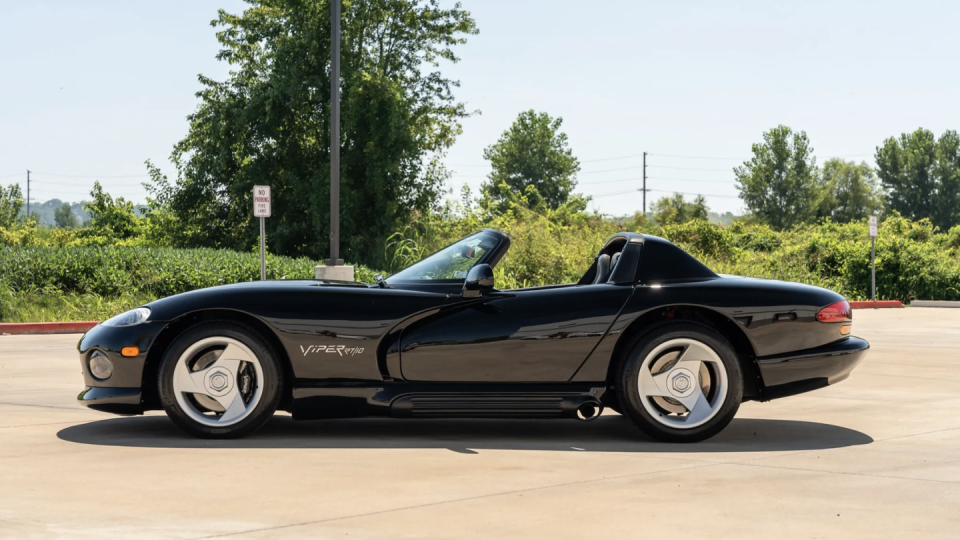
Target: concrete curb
(878, 304)
(47, 327)
(935, 303)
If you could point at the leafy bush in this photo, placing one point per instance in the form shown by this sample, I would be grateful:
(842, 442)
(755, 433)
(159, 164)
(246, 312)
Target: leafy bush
(553, 248)
(114, 271)
(914, 260)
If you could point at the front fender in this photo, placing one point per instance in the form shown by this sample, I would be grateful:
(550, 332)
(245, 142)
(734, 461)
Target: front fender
(127, 371)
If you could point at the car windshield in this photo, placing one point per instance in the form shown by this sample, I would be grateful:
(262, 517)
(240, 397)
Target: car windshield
(451, 262)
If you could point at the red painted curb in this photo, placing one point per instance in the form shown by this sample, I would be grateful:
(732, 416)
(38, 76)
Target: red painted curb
(47, 327)
(877, 304)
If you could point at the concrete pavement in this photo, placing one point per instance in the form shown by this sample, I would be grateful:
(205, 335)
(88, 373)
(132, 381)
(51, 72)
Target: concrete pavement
(877, 456)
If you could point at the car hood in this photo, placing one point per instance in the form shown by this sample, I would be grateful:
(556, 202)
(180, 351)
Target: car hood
(275, 285)
(237, 295)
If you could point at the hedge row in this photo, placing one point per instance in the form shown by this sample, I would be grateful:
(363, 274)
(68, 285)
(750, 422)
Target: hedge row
(914, 260)
(111, 271)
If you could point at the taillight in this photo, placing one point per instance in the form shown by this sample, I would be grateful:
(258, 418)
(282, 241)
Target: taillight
(836, 312)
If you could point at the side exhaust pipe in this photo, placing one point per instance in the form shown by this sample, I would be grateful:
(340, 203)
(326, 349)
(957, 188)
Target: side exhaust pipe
(589, 411)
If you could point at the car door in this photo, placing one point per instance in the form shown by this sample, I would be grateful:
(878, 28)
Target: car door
(525, 335)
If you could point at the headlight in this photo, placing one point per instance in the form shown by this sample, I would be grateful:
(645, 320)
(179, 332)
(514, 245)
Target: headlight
(129, 318)
(100, 366)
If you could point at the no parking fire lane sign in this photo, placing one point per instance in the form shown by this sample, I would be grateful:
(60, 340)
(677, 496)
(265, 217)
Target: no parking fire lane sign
(261, 201)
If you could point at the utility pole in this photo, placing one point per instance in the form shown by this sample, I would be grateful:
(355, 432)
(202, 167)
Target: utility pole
(873, 260)
(28, 193)
(334, 259)
(873, 269)
(644, 184)
(333, 268)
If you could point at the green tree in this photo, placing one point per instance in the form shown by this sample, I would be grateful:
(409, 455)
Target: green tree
(532, 153)
(849, 191)
(676, 209)
(64, 217)
(11, 202)
(922, 176)
(698, 208)
(269, 124)
(113, 219)
(778, 184)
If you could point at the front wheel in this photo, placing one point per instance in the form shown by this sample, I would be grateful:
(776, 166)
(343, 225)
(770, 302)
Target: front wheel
(220, 380)
(681, 382)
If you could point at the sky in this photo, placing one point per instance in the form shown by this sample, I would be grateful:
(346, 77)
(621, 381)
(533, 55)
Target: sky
(90, 90)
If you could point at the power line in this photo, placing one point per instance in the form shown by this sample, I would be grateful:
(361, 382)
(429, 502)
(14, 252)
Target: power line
(742, 159)
(607, 181)
(581, 172)
(612, 170)
(665, 191)
(90, 182)
(685, 168)
(616, 193)
(695, 194)
(612, 158)
(60, 194)
(615, 158)
(46, 183)
(11, 175)
(93, 175)
(698, 157)
(677, 156)
(690, 180)
(43, 187)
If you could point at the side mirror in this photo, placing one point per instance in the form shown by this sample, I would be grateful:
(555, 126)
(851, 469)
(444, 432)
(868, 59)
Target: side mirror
(479, 281)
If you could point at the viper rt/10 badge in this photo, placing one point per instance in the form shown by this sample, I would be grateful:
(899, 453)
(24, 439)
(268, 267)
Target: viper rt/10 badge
(342, 350)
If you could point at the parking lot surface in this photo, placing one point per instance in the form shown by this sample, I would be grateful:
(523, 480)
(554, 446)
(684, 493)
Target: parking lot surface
(877, 456)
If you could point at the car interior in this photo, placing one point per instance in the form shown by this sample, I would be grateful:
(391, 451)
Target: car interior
(601, 270)
(605, 263)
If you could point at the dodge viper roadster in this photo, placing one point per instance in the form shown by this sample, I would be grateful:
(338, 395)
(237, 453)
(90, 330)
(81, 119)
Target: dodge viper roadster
(648, 332)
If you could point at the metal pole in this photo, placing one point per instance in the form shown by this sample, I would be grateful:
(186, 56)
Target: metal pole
(28, 194)
(334, 134)
(873, 270)
(644, 184)
(263, 252)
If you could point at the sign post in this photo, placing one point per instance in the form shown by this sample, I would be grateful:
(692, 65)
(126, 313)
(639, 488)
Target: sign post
(873, 264)
(261, 209)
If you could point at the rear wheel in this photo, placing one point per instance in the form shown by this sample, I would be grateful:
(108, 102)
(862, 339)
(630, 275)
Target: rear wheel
(220, 380)
(681, 382)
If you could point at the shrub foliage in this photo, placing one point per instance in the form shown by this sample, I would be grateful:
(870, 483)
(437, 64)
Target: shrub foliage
(914, 259)
(114, 271)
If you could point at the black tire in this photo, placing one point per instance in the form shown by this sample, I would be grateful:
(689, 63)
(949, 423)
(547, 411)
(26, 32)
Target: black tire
(629, 386)
(272, 383)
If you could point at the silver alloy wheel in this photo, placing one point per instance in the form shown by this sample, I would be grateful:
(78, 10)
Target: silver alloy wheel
(682, 383)
(212, 381)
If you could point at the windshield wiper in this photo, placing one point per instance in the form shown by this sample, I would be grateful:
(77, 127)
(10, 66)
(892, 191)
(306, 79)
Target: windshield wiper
(382, 283)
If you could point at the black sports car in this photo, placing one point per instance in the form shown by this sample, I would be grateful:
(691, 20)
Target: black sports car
(648, 331)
